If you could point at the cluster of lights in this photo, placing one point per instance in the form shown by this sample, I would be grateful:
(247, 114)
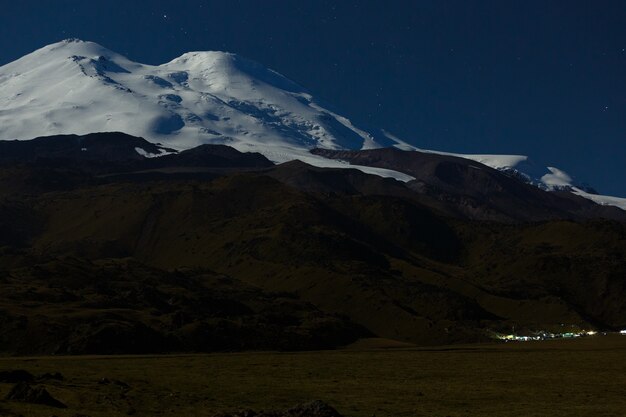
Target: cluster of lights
(547, 335)
(518, 338)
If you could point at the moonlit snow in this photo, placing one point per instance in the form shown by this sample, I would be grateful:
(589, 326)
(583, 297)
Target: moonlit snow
(77, 87)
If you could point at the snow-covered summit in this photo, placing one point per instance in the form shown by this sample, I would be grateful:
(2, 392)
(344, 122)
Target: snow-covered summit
(78, 87)
(200, 97)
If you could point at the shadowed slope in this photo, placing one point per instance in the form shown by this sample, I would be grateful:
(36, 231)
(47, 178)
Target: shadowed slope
(476, 190)
(367, 248)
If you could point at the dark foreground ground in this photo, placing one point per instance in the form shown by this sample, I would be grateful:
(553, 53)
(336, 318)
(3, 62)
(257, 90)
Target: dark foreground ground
(583, 377)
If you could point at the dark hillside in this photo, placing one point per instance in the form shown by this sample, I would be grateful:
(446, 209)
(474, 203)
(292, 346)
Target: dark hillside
(291, 256)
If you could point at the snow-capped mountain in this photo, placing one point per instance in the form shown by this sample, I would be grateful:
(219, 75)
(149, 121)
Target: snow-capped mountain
(81, 87)
(201, 97)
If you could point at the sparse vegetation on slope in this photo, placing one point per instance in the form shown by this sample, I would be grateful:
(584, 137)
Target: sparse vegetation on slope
(356, 253)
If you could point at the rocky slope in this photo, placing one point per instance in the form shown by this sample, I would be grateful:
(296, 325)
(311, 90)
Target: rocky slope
(199, 255)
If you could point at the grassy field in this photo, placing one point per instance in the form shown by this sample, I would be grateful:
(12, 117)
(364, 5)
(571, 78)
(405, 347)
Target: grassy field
(583, 377)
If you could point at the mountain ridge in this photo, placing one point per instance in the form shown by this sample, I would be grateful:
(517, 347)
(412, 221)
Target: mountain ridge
(80, 87)
(209, 249)
(453, 186)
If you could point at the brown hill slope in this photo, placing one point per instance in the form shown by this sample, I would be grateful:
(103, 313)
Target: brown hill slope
(387, 263)
(474, 190)
(114, 306)
(356, 251)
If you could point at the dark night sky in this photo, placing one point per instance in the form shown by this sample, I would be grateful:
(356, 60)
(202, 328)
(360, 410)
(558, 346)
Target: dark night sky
(544, 78)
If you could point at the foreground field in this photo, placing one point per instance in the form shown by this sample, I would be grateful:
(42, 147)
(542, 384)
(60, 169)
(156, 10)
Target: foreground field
(584, 377)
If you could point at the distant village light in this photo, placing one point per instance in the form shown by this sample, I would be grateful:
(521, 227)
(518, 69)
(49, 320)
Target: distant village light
(544, 335)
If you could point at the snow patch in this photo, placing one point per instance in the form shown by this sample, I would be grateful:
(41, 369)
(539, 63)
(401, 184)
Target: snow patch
(146, 154)
(601, 199)
(557, 179)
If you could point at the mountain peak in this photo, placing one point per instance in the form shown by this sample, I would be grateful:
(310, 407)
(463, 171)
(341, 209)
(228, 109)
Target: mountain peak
(217, 64)
(73, 40)
(46, 61)
(79, 87)
(75, 44)
(201, 56)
